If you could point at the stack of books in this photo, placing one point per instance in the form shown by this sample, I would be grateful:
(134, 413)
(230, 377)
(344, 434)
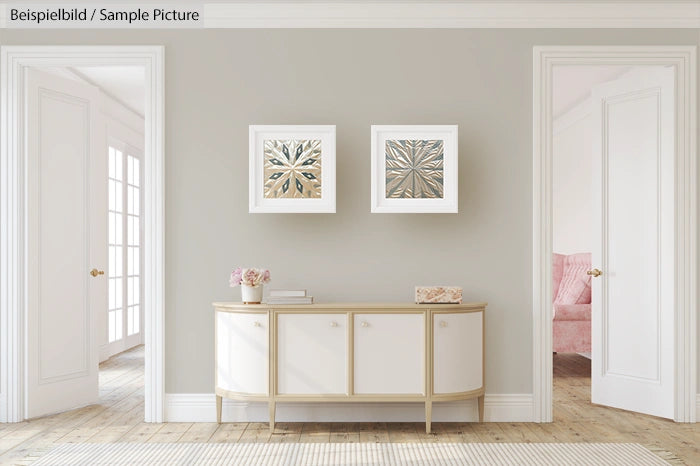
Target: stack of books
(289, 297)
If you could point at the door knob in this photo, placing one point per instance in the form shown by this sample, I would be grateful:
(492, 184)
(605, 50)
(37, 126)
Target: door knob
(365, 324)
(95, 272)
(595, 272)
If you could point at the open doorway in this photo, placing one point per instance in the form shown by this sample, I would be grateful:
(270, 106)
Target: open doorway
(642, 226)
(612, 262)
(85, 141)
(98, 196)
(572, 229)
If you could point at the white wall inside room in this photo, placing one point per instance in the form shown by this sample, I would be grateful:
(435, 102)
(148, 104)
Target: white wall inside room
(572, 131)
(571, 202)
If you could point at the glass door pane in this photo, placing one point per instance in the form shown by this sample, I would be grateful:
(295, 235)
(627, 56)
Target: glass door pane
(115, 214)
(133, 244)
(125, 246)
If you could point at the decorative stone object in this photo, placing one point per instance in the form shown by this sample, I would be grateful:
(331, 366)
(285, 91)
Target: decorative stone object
(438, 295)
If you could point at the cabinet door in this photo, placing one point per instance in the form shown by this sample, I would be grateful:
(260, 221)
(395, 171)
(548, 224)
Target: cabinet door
(242, 352)
(389, 353)
(457, 352)
(312, 353)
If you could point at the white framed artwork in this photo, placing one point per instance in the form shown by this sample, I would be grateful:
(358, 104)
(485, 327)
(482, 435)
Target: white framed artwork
(414, 168)
(292, 169)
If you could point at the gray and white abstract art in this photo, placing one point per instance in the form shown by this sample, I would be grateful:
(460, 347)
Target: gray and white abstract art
(414, 168)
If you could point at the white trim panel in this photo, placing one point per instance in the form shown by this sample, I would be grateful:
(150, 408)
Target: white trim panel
(201, 407)
(154, 236)
(12, 241)
(464, 14)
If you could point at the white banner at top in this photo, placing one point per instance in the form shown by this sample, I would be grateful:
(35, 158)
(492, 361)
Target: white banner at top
(560, 14)
(101, 16)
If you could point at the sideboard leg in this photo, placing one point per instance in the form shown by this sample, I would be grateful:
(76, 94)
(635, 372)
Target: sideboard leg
(428, 415)
(218, 409)
(481, 408)
(271, 405)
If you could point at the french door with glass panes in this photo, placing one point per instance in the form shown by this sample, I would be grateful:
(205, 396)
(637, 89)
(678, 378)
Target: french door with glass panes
(125, 312)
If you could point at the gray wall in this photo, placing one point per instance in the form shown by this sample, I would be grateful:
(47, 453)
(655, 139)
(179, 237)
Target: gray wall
(220, 81)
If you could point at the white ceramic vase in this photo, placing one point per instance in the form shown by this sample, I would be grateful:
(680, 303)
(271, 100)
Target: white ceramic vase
(251, 294)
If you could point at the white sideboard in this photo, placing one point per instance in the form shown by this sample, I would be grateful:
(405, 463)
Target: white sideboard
(349, 352)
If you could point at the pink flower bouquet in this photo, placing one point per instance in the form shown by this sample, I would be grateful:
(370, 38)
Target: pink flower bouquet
(249, 277)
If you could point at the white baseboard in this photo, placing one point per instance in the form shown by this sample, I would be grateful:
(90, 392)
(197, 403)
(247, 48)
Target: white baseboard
(201, 407)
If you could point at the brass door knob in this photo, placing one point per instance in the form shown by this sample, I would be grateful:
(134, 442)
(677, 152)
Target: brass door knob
(595, 272)
(95, 272)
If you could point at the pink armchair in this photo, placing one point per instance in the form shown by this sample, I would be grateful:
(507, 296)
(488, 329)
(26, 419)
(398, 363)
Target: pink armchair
(571, 288)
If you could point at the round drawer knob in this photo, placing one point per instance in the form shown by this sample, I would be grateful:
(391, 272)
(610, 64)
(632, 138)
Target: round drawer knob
(334, 324)
(365, 324)
(443, 323)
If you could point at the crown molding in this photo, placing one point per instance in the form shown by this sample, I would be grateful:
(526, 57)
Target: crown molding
(132, 112)
(572, 116)
(461, 14)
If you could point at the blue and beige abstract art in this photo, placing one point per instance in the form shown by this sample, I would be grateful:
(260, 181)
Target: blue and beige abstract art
(292, 168)
(414, 168)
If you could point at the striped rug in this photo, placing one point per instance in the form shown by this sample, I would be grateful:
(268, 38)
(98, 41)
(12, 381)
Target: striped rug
(350, 453)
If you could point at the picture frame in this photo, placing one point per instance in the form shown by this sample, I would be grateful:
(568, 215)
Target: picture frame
(414, 169)
(291, 169)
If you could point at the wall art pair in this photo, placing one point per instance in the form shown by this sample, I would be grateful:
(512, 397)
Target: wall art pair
(292, 168)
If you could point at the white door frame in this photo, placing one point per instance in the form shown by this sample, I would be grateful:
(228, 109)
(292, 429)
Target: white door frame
(13, 215)
(683, 58)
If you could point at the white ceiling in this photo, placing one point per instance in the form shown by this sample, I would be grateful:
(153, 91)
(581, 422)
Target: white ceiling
(573, 83)
(124, 83)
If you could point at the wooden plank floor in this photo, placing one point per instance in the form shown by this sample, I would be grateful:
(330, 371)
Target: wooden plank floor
(119, 418)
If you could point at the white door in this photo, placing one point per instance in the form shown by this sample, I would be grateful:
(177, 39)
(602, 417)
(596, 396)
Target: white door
(633, 198)
(66, 232)
(312, 353)
(389, 353)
